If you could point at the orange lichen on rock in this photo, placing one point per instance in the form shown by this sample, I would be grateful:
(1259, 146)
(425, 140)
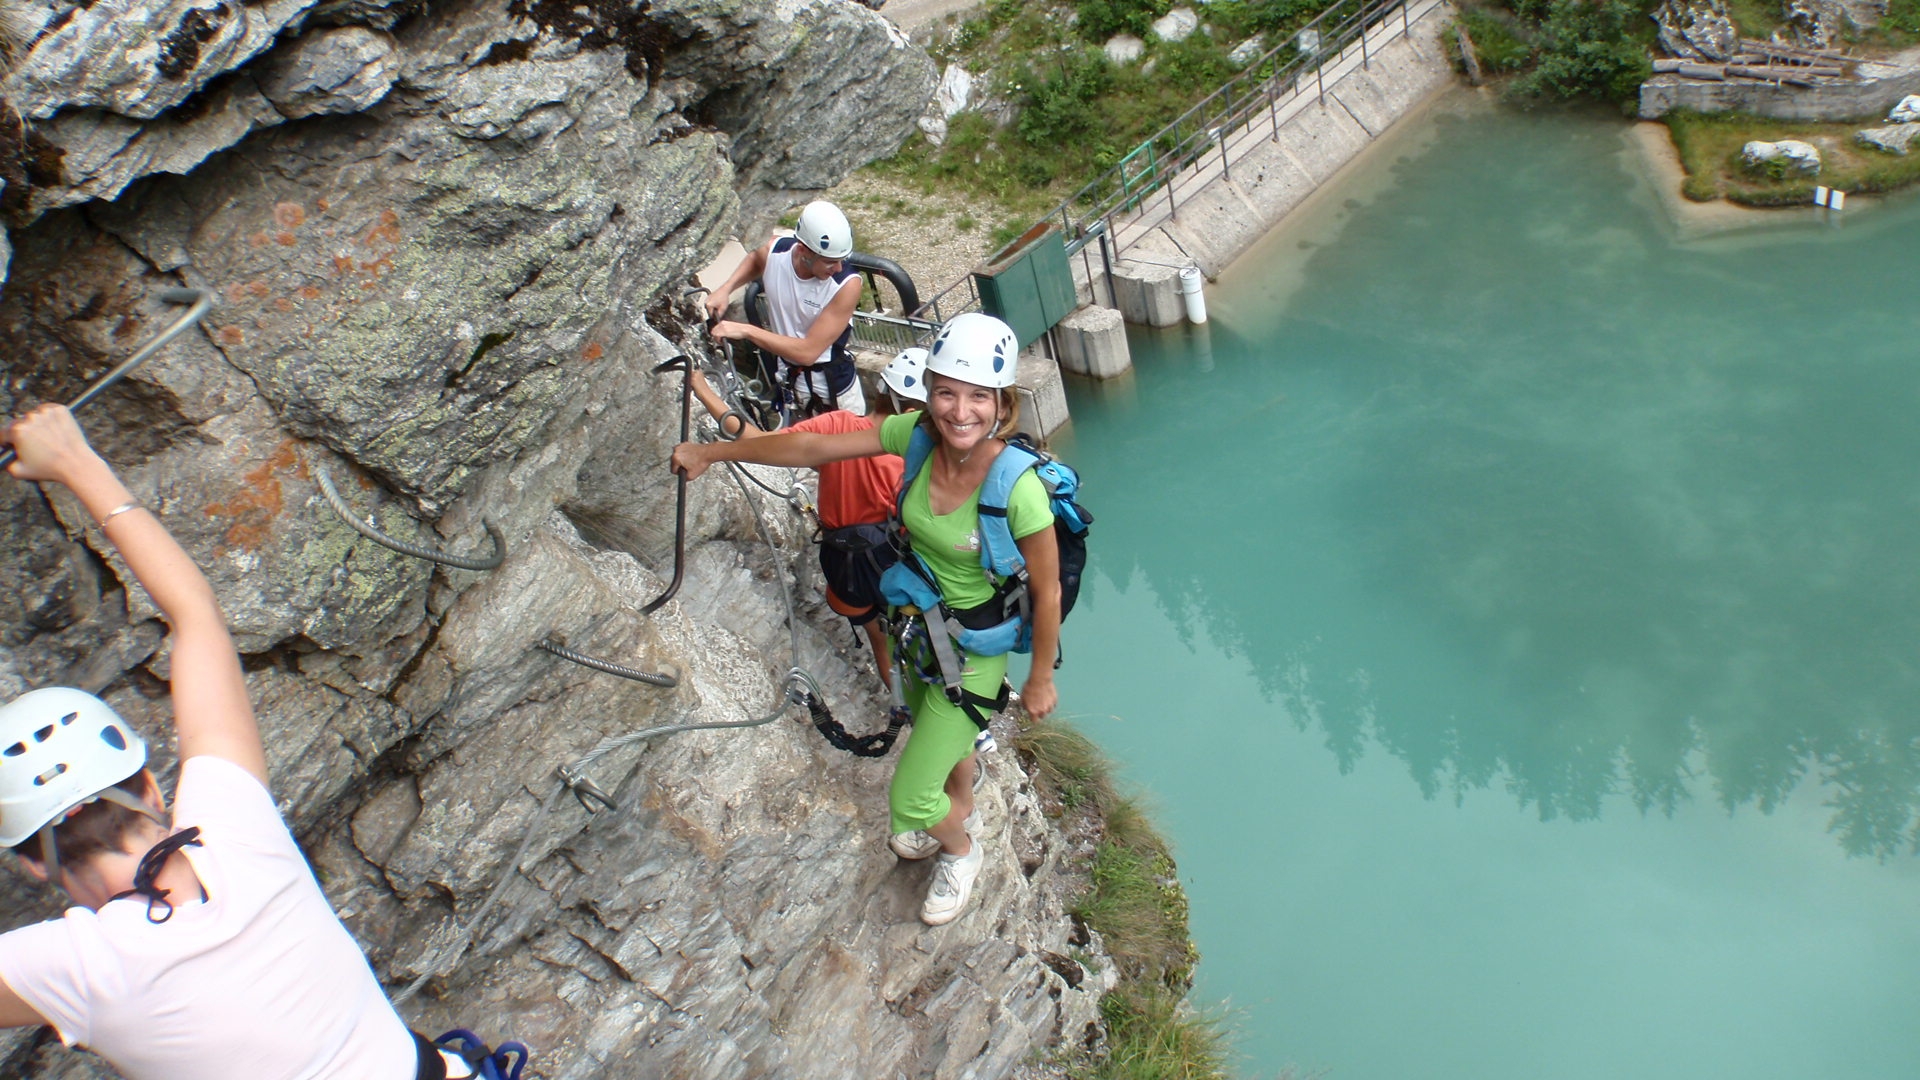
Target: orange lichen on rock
(388, 230)
(259, 500)
(232, 335)
(285, 239)
(289, 215)
(282, 304)
(592, 352)
(259, 239)
(309, 292)
(342, 264)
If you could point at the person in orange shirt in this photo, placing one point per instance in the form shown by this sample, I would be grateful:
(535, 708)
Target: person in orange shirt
(856, 499)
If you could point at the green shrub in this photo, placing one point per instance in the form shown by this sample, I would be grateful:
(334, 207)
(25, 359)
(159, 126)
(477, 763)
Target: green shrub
(1589, 48)
(1101, 19)
(1061, 105)
(1903, 15)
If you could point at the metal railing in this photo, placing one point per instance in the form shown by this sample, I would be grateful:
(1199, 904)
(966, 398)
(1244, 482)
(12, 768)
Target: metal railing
(1099, 213)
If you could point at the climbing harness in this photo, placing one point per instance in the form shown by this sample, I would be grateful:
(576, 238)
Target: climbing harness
(200, 299)
(680, 482)
(150, 866)
(927, 629)
(366, 529)
(548, 644)
(483, 1062)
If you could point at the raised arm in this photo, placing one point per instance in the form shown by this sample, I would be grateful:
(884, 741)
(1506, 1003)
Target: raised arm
(790, 449)
(211, 711)
(803, 351)
(717, 408)
(1042, 554)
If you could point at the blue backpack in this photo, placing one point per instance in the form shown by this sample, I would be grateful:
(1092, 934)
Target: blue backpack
(1003, 624)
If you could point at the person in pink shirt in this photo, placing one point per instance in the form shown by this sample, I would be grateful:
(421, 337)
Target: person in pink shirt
(200, 945)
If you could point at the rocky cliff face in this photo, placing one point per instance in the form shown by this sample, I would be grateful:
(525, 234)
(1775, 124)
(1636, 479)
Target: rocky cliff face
(448, 241)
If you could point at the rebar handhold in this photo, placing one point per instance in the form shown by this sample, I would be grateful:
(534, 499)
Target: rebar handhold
(202, 301)
(463, 562)
(548, 644)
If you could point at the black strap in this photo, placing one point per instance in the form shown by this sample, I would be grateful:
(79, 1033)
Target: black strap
(150, 866)
(875, 745)
(432, 1066)
(972, 704)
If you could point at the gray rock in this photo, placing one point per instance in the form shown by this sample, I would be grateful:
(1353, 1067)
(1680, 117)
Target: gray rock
(1176, 24)
(1894, 139)
(934, 127)
(330, 71)
(1907, 111)
(1246, 52)
(1798, 156)
(137, 59)
(1124, 48)
(1307, 41)
(1813, 24)
(956, 88)
(447, 283)
(1697, 29)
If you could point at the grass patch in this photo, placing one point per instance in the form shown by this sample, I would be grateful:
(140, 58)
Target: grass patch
(1709, 147)
(1756, 18)
(1070, 113)
(1137, 906)
(1495, 44)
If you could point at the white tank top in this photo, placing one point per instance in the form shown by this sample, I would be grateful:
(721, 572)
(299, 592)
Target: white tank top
(793, 303)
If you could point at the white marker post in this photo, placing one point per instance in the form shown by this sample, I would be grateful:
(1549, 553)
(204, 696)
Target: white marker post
(1820, 194)
(1838, 200)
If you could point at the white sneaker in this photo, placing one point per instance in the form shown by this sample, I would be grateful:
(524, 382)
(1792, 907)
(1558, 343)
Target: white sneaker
(953, 877)
(917, 844)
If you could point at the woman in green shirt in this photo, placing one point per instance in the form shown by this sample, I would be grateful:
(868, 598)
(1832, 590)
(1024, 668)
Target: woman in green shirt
(970, 410)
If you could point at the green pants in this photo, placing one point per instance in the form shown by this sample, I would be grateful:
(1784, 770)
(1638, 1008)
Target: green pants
(942, 737)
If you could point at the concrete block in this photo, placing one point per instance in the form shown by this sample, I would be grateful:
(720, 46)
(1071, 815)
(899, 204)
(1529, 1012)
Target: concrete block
(1093, 341)
(1148, 293)
(1042, 392)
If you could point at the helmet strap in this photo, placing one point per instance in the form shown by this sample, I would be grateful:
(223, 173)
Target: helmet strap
(50, 851)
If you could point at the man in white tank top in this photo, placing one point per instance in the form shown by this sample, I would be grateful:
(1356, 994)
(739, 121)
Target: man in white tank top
(811, 296)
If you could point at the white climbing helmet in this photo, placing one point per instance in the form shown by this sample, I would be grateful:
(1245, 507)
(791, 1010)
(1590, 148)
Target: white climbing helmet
(977, 349)
(825, 230)
(906, 374)
(59, 748)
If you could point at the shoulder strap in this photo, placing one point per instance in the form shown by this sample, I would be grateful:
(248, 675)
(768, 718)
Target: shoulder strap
(999, 552)
(919, 449)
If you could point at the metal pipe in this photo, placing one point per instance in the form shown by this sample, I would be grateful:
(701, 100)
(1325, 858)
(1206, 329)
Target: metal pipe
(201, 299)
(680, 482)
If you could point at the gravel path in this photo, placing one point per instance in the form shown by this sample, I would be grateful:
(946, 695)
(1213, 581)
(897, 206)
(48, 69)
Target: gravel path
(910, 15)
(938, 238)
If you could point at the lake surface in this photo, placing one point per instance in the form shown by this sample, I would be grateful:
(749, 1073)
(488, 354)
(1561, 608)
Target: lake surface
(1510, 607)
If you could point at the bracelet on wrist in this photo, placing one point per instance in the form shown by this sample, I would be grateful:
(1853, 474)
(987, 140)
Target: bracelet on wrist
(130, 504)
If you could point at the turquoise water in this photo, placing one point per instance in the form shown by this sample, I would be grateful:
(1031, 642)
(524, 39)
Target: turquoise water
(1511, 609)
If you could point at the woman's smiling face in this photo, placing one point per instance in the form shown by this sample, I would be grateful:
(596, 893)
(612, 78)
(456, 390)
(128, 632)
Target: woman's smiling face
(964, 414)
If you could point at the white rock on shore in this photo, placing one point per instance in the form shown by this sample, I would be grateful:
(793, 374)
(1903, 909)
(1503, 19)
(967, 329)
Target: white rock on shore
(1800, 157)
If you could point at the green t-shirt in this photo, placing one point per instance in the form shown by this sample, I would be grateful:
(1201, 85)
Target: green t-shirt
(950, 543)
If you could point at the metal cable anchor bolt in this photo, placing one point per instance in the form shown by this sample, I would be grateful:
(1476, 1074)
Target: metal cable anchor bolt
(585, 790)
